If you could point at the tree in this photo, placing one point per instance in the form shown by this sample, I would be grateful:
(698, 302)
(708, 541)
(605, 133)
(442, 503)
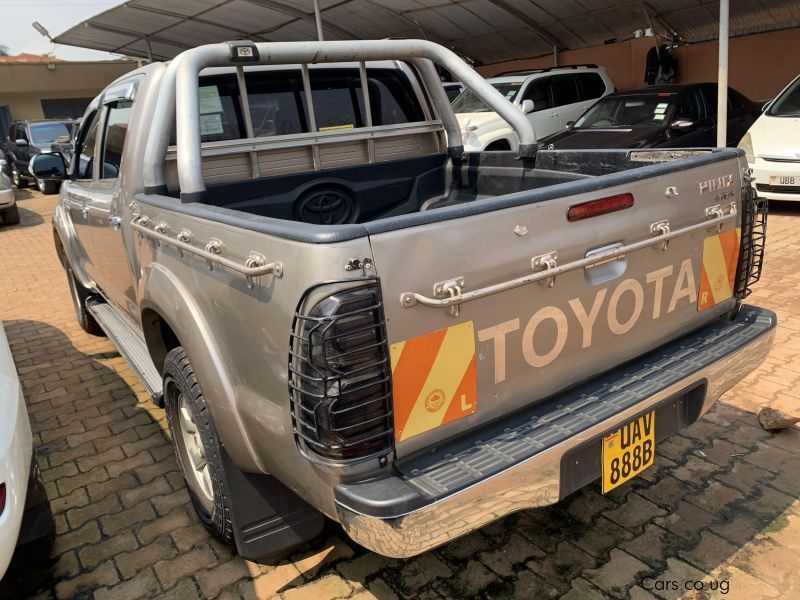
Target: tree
(3, 50)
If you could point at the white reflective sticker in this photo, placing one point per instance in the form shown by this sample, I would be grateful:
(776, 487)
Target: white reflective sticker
(209, 100)
(211, 124)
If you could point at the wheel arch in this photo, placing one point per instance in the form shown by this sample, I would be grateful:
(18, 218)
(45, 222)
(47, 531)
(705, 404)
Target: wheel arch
(163, 294)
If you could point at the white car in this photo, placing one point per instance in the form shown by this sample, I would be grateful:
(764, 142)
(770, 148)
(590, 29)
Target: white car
(772, 146)
(26, 522)
(551, 98)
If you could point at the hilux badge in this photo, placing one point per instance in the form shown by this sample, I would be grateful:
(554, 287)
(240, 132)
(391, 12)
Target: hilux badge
(718, 183)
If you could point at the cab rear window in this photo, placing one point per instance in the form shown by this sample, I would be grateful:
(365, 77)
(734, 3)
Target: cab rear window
(278, 105)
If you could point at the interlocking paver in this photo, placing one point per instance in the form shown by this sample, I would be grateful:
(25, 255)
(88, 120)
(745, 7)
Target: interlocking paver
(720, 503)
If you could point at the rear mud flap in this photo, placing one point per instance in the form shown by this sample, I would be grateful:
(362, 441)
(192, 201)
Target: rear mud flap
(267, 517)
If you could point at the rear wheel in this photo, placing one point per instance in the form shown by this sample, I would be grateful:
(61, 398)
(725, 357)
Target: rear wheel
(197, 445)
(11, 215)
(79, 297)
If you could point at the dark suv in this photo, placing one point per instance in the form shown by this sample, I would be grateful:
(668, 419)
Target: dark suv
(28, 138)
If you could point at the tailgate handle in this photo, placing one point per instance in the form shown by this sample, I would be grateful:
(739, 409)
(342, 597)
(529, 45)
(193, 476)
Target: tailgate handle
(546, 268)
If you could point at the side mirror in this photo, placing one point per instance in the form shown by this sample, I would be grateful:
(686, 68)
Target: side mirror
(570, 124)
(682, 125)
(21, 142)
(766, 106)
(48, 165)
(526, 107)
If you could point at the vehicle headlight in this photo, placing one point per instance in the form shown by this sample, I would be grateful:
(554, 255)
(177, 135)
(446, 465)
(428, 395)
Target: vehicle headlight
(747, 145)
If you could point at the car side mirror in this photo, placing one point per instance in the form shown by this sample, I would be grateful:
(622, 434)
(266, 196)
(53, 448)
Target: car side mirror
(766, 106)
(48, 165)
(682, 125)
(526, 107)
(570, 124)
(21, 142)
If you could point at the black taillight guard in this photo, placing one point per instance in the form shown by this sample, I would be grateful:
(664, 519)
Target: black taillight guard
(340, 376)
(754, 237)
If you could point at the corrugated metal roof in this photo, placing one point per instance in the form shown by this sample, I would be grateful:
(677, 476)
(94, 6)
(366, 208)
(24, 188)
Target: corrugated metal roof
(484, 31)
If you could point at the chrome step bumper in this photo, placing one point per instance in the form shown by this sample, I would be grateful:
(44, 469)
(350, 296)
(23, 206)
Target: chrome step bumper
(520, 466)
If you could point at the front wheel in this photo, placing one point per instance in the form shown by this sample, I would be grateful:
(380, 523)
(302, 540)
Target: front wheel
(19, 181)
(47, 187)
(10, 215)
(197, 445)
(79, 296)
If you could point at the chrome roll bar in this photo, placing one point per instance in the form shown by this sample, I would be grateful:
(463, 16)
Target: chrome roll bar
(178, 96)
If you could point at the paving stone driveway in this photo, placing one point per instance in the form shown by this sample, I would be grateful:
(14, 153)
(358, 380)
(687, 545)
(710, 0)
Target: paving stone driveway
(720, 507)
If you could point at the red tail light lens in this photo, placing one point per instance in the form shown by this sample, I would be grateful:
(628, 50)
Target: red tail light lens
(2, 497)
(593, 208)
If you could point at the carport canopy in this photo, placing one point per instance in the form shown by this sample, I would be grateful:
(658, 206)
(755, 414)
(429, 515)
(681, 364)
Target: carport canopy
(482, 31)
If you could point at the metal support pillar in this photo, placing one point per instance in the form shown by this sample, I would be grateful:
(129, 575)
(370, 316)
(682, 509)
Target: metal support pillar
(722, 78)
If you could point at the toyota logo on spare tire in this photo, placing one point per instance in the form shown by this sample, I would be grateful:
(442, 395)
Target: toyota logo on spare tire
(329, 206)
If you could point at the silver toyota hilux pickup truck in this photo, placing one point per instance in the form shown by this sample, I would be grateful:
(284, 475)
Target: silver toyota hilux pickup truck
(347, 317)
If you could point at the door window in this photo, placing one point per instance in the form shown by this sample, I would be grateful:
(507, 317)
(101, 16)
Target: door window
(119, 115)
(85, 149)
(592, 85)
(565, 90)
(539, 92)
(690, 107)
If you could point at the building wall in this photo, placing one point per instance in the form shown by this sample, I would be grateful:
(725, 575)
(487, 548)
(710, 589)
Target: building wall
(23, 86)
(760, 65)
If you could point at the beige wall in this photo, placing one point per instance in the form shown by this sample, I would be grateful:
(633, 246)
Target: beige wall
(760, 65)
(23, 86)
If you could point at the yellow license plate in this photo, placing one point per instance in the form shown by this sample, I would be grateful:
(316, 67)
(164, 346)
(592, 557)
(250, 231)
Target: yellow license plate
(628, 451)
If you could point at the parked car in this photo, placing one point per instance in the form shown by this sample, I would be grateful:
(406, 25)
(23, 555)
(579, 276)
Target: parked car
(26, 522)
(467, 337)
(27, 139)
(549, 97)
(9, 213)
(677, 115)
(772, 146)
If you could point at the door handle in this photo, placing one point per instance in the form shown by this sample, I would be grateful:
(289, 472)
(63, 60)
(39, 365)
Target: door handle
(84, 208)
(115, 221)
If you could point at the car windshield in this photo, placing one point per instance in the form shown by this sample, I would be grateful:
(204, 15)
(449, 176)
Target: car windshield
(47, 133)
(468, 102)
(788, 103)
(625, 111)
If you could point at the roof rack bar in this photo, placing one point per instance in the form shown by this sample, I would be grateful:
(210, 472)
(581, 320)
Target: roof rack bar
(178, 95)
(546, 69)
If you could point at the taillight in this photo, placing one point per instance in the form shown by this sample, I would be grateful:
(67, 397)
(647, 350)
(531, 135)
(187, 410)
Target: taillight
(339, 376)
(2, 497)
(593, 208)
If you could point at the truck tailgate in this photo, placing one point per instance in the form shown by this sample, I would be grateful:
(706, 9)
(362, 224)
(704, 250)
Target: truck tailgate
(514, 342)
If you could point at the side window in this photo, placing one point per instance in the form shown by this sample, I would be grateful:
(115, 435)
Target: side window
(710, 94)
(22, 133)
(565, 89)
(735, 100)
(690, 107)
(85, 148)
(119, 115)
(592, 85)
(539, 92)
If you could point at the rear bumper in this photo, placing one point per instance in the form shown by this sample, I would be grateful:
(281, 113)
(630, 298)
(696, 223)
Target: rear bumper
(402, 516)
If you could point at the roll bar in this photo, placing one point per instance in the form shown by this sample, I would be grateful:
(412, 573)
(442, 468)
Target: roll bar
(178, 95)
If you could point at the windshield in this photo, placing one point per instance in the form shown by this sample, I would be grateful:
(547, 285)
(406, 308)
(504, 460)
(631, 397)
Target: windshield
(468, 102)
(47, 133)
(788, 103)
(625, 111)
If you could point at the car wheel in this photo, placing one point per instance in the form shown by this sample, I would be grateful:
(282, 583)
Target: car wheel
(11, 215)
(19, 181)
(197, 445)
(79, 297)
(47, 187)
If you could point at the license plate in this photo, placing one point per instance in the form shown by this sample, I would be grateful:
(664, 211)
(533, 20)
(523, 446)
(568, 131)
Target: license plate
(628, 451)
(782, 179)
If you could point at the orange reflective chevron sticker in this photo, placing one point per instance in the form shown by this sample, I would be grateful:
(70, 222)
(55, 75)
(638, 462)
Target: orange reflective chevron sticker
(434, 379)
(720, 258)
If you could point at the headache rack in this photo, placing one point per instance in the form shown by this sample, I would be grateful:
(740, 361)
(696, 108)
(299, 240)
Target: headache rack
(754, 235)
(340, 377)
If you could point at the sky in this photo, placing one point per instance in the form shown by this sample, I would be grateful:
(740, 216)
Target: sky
(57, 16)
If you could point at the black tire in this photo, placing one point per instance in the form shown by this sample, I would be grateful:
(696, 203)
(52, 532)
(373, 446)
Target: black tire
(19, 181)
(47, 187)
(498, 146)
(79, 296)
(11, 215)
(182, 392)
